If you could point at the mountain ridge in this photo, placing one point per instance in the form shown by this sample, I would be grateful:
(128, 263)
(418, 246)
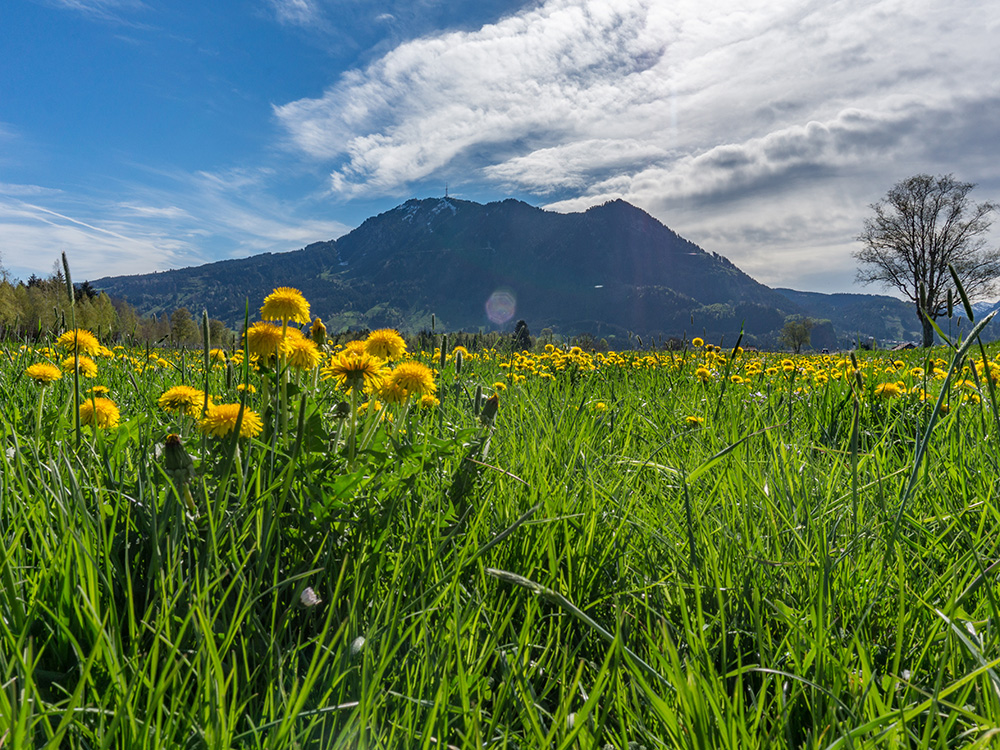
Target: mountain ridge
(611, 270)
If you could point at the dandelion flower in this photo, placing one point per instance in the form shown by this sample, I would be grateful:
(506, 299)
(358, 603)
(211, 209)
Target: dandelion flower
(354, 347)
(43, 373)
(248, 387)
(81, 340)
(413, 377)
(86, 366)
(301, 353)
(352, 370)
(220, 420)
(99, 412)
(429, 401)
(694, 421)
(697, 341)
(183, 399)
(703, 374)
(98, 390)
(385, 343)
(392, 392)
(263, 339)
(888, 390)
(285, 304)
(217, 355)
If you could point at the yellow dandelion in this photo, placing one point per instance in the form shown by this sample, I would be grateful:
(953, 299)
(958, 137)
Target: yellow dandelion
(101, 413)
(263, 340)
(697, 341)
(371, 407)
(317, 332)
(43, 373)
(248, 387)
(392, 392)
(385, 343)
(301, 353)
(286, 305)
(500, 386)
(353, 370)
(599, 406)
(86, 367)
(81, 340)
(217, 355)
(220, 421)
(888, 390)
(98, 390)
(703, 374)
(429, 401)
(413, 377)
(354, 347)
(183, 399)
(694, 421)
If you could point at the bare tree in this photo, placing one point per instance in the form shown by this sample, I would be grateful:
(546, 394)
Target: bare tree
(923, 225)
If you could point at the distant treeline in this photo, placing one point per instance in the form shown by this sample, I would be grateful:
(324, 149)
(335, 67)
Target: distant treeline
(34, 309)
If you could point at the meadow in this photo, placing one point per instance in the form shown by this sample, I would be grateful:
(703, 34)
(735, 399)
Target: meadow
(366, 546)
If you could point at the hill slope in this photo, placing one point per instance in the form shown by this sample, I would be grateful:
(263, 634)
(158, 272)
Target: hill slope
(609, 270)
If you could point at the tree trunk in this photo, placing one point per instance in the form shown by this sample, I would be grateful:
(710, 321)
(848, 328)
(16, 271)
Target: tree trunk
(928, 330)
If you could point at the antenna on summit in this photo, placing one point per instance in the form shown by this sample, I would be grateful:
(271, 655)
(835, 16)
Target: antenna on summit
(446, 190)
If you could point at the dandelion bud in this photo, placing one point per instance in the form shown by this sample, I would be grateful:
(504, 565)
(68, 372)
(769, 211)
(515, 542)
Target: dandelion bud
(478, 399)
(432, 322)
(318, 332)
(490, 409)
(951, 304)
(459, 358)
(176, 461)
(444, 349)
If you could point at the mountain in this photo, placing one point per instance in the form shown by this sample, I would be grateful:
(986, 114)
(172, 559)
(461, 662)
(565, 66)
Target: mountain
(610, 270)
(860, 316)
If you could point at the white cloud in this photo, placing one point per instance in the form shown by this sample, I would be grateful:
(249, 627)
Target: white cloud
(7, 188)
(691, 110)
(195, 219)
(296, 12)
(104, 10)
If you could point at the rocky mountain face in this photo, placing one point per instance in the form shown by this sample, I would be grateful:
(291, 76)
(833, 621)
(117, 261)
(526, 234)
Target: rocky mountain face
(609, 271)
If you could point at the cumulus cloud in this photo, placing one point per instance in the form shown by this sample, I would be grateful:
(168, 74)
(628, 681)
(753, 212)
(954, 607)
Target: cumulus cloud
(582, 78)
(679, 107)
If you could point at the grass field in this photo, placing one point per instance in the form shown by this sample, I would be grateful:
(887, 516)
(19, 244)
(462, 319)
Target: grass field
(704, 549)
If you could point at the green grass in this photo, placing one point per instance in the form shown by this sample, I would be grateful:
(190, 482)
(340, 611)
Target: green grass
(784, 575)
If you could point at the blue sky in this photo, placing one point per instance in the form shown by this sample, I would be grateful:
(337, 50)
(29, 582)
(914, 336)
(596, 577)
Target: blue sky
(141, 135)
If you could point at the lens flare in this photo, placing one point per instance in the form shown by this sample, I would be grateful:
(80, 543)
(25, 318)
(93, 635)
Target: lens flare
(501, 305)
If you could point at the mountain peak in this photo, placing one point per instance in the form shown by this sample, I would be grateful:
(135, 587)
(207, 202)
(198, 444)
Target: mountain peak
(612, 268)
